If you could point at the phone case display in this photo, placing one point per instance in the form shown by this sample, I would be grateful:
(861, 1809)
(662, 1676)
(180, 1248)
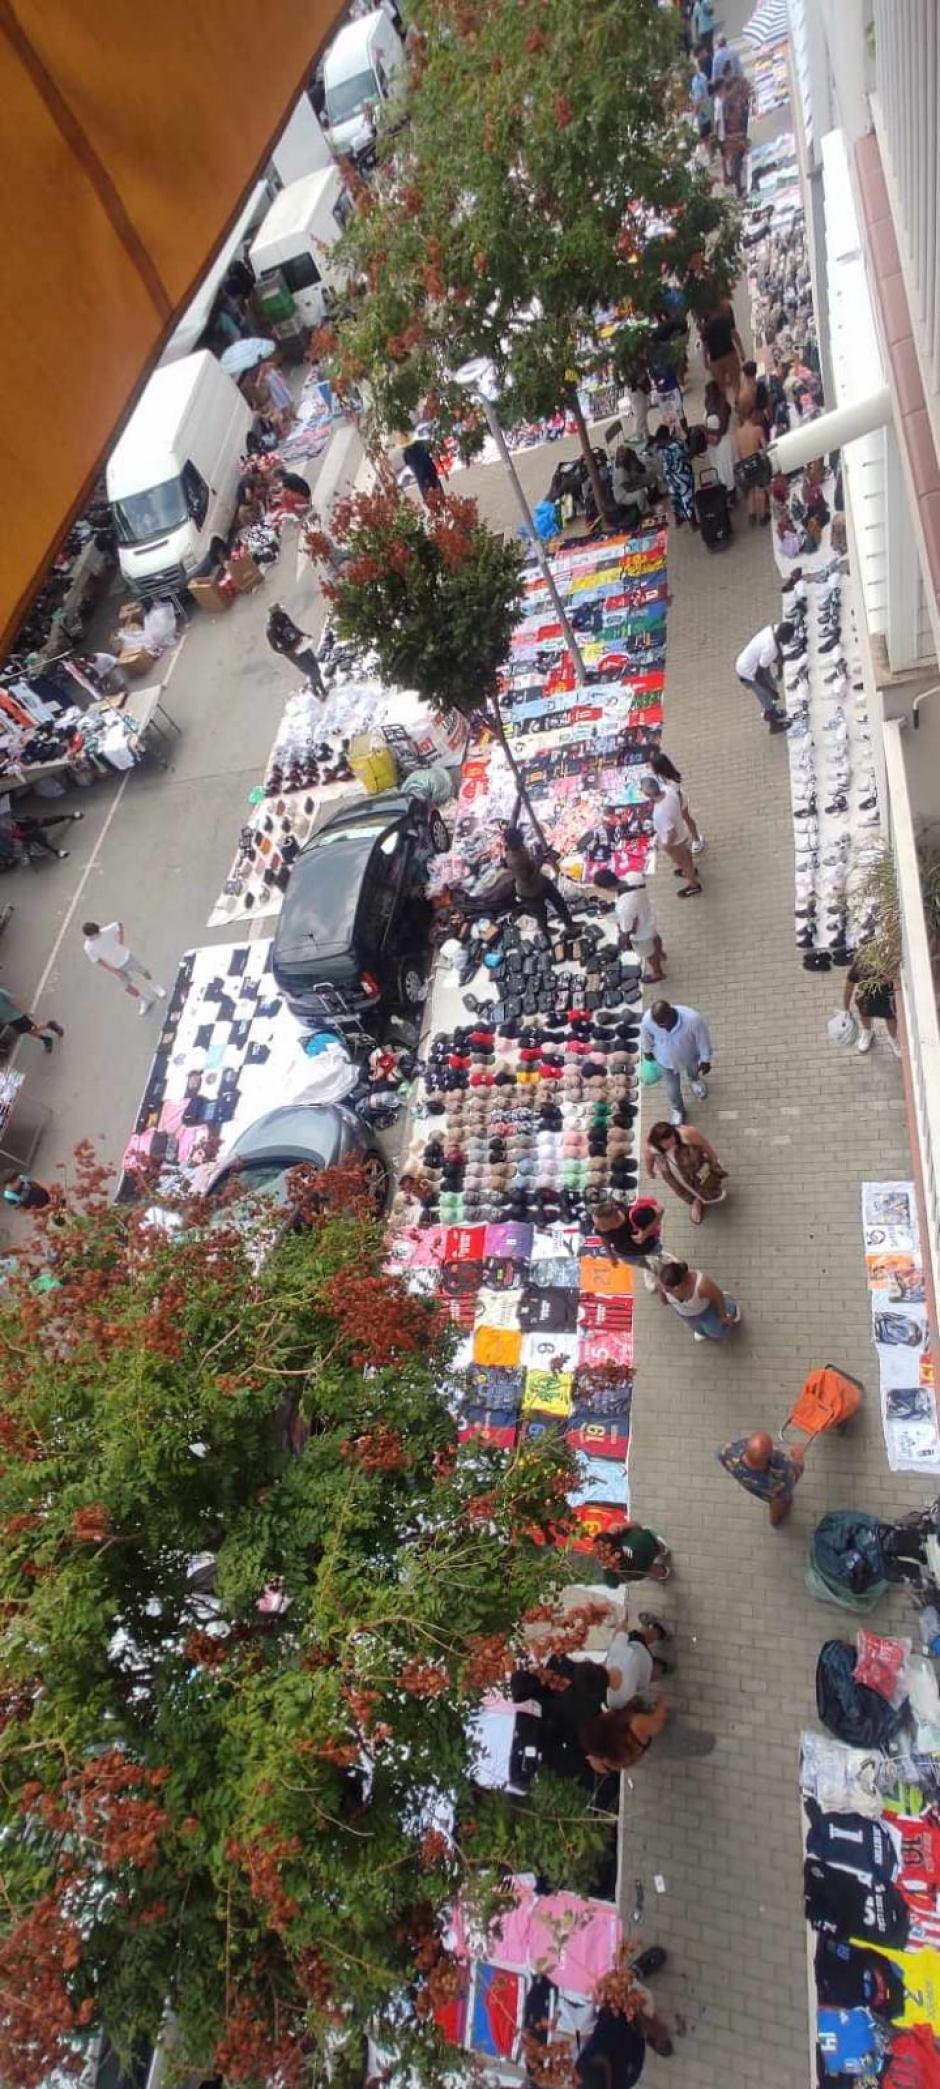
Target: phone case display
(228, 1051)
(900, 1327)
(832, 779)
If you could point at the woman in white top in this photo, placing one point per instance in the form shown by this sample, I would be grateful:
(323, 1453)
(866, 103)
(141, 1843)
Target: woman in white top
(709, 1312)
(630, 1662)
(669, 776)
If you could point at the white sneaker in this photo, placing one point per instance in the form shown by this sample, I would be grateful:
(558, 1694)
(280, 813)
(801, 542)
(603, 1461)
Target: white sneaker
(649, 1280)
(894, 1045)
(866, 1041)
(160, 992)
(699, 1089)
(698, 846)
(145, 1007)
(676, 1117)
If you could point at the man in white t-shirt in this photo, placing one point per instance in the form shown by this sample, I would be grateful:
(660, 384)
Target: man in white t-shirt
(759, 666)
(672, 833)
(636, 921)
(107, 947)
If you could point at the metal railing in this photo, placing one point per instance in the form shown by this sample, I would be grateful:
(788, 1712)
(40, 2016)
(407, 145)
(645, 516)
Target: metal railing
(918, 992)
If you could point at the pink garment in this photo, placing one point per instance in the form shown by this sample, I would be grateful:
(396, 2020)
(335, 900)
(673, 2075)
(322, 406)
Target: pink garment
(606, 1348)
(572, 1940)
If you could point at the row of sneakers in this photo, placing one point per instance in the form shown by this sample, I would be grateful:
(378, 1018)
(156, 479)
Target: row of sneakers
(828, 727)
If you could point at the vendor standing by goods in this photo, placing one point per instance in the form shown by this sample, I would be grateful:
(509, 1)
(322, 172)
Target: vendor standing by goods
(535, 892)
(284, 636)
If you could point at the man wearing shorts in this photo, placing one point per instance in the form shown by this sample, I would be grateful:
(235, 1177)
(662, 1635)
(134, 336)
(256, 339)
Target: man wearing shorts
(873, 1002)
(636, 921)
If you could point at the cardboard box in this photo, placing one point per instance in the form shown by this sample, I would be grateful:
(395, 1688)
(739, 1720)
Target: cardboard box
(242, 570)
(209, 596)
(137, 661)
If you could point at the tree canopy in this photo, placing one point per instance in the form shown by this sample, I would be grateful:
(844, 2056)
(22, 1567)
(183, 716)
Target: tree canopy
(542, 175)
(251, 1591)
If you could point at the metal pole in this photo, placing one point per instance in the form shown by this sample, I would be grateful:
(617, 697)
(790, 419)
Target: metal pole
(525, 511)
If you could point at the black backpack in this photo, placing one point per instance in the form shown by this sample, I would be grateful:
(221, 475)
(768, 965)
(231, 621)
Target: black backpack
(848, 1709)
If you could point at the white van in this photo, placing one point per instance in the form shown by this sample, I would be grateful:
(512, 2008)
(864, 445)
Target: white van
(294, 241)
(358, 74)
(172, 481)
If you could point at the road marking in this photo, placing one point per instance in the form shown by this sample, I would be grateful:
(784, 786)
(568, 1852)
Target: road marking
(73, 905)
(91, 865)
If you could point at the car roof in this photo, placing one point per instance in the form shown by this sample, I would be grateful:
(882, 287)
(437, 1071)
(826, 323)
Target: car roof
(320, 903)
(292, 1128)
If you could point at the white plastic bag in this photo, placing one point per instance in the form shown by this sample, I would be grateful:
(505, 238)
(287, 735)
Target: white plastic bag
(841, 1028)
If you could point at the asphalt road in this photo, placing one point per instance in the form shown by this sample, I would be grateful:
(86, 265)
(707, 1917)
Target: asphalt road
(154, 849)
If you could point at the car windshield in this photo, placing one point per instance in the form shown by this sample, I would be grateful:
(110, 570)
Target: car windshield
(141, 516)
(249, 1178)
(348, 96)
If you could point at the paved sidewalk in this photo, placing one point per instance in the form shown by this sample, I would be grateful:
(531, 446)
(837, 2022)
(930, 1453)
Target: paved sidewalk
(800, 1125)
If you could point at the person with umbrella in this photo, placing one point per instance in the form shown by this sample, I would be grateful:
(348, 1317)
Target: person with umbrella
(284, 636)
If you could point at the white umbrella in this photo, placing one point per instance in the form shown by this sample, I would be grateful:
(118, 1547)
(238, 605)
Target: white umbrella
(243, 355)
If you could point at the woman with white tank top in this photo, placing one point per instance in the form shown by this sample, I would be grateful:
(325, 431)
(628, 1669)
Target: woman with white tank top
(709, 1312)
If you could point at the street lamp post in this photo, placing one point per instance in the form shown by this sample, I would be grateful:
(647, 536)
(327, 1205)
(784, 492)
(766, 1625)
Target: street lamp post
(479, 377)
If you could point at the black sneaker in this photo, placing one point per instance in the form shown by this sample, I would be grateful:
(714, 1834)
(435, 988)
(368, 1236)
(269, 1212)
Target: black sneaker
(839, 804)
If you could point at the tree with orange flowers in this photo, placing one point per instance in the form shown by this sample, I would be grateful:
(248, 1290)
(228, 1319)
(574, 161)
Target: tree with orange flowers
(530, 209)
(433, 593)
(252, 1590)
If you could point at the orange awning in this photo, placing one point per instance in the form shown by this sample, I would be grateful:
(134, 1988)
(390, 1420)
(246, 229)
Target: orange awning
(131, 131)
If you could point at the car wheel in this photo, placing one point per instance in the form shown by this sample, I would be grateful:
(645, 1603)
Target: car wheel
(375, 1173)
(440, 838)
(411, 987)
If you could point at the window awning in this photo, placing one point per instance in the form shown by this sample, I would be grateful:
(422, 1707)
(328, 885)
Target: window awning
(130, 136)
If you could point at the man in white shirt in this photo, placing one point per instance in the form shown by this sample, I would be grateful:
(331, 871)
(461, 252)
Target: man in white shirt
(726, 65)
(107, 947)
(678, 1039)
(672, 833)
(759, 666)
(636, 921)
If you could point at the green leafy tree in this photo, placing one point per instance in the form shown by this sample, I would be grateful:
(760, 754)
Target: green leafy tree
(433, 593)
(542, 175)
(251, 1591)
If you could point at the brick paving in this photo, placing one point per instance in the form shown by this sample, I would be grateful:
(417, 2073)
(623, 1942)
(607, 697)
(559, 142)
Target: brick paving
(800, 1126)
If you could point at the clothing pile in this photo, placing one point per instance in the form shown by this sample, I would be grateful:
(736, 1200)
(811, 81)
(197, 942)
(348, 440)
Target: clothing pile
(872, 1898)
(832, 778)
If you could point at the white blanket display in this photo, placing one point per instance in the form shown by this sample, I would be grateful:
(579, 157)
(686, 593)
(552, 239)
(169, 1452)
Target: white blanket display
(900, 1328)
(229, 1050)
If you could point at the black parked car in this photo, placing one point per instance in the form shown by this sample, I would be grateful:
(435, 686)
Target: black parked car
(353, 931)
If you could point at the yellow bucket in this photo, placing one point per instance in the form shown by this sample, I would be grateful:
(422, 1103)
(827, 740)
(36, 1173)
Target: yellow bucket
(373, 763)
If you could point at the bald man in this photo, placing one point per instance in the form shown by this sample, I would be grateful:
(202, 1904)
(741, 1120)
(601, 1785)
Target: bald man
(765, 1469)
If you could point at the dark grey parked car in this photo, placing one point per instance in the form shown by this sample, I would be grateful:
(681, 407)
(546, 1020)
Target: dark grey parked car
(315, 1135)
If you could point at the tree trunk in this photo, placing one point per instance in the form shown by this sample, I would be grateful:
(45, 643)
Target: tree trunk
(590, 460)
(495, 719)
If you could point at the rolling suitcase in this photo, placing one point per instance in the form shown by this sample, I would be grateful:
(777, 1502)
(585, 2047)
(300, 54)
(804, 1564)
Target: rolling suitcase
(714, 514)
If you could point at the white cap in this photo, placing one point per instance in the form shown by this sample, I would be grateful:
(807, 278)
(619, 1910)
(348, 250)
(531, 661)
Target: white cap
(634, 881)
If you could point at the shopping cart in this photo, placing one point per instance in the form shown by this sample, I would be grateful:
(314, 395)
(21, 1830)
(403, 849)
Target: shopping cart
(828, 1400)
